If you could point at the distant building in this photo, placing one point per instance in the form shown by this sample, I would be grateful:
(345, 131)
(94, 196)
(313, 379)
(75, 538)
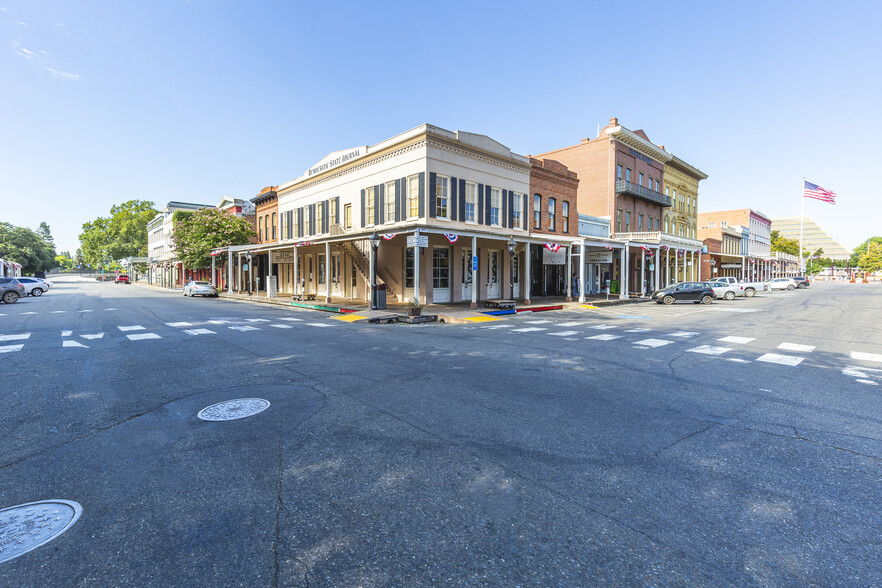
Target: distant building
(814, 237)
(165, 270)
(758, 260)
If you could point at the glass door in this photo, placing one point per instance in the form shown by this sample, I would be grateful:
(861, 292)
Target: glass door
(493, 274)
(441, 274)
(467, 274)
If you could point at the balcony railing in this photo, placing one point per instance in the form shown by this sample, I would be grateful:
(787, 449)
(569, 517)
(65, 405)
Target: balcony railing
(637, 191)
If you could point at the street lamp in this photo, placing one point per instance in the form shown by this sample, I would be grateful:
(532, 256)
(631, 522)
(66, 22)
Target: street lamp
(375, 244)
(248, 283)
(511, 247)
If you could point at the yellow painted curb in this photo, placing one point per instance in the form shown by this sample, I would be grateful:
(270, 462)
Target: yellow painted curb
(588, 306)
(350, 318)
(481, 319)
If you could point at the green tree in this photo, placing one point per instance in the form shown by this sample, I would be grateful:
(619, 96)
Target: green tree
(784, 245)
(46, 234)
(122, 234)
(864, 248)
(26, 247)
(870, 260)
(196, 233)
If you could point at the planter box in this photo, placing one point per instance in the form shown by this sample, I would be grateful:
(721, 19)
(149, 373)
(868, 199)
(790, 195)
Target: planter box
(414, 320)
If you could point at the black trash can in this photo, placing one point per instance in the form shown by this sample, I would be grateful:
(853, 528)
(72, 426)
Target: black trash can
(380, 296)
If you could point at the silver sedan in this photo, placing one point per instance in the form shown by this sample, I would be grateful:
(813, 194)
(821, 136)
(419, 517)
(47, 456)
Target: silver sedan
(199, 288)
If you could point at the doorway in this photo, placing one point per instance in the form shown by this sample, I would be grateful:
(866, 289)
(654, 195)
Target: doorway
(441, 274)
(493, 274)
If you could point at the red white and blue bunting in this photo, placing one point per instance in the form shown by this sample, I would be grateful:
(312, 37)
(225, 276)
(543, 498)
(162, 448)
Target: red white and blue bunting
(304, 244)
(452, 237)
(553, 247)
(389, 236)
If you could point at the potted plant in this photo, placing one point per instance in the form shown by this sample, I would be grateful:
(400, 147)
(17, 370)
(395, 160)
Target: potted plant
(414, 308)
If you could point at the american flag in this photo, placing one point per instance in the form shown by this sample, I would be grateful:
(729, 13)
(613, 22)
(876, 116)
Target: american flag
(818, 193)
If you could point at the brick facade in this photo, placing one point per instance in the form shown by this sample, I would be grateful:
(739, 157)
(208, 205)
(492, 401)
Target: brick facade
(551, 179)
(267, 217)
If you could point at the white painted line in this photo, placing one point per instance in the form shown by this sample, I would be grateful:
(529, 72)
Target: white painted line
(66, 333)
(571, 324)
(95, 336)
(870, 382)
(637, 330)
(603, 327)
(684, 334)
(257, 320)
(109, 309)
(738, 340)
(10, 348)
(737, 360)
(198, 332)
(282, 326)
(58, 312)
(790, 360)
(539, 322)
(218, 322)
(85, 311)
(709, 350)
(604, 337)
(796, 347)
(861, 356)
(653, 342)
(860, 372)
(29, 313)
(498, 327)
(180, 324)
(564, 333)
(724, 309)
(529, 329)
(72, 343)
(14, 337)
(292, 319)
(319, 325)
(131, 328)
(244, 328)
(140, 336)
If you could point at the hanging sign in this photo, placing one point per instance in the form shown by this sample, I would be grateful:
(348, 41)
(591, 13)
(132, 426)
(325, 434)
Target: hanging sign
(558, 257)
(598, 257)
(417, 240)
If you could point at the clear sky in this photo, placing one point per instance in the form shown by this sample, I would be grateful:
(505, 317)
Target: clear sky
(103, 102)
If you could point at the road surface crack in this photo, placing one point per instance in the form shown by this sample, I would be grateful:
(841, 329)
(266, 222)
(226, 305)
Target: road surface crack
(683, 438)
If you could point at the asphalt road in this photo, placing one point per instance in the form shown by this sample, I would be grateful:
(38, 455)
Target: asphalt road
(621, 446)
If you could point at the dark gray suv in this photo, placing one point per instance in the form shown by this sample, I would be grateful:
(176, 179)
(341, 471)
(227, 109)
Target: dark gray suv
(11, 290)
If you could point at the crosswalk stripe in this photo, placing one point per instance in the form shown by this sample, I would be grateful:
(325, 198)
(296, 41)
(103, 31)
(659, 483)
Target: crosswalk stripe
(571, 324)
(564, 333)
(538, 322)
(287, 318)
(738, 340)
(637, 330)
(709, 350)
(66, 333)
(282, 326)
(257, 320)
(131, 328)
(72, 343)
(860, 355)
(604, 337)
(10, 348)
(180, 324)
(14, 337)
(790, 360)
(653, 342)
(141, 336)
(244, 328)
(603, 327)
(198, 332)
(684, 334)
(796, 347)
(95, 336)
(529, 329)
(319, 324)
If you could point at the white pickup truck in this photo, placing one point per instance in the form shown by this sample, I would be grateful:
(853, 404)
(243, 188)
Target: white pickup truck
(746, 289)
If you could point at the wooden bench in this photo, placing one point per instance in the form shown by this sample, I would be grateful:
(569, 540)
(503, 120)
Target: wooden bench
(302, 297)
(499, 303)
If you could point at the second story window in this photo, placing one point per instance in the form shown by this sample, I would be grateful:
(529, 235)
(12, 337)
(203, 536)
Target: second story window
(369, 206)
(260, 229)
(413, 196)
(442, 197)
(565, 215)
(641, 178)
(319, 217)
(389, 202)
(619, 171)
(627, 174)
(619, 221)
(495, 206)
(628, 221)
(471, 202)
(266, 227)
(275, 224)
(516, 217)
(305, 212)
(537, 211)
(639, 223)
(332, 211)
(552, 204)
(347, 216)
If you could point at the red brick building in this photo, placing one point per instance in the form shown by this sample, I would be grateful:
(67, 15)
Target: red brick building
(552, 211)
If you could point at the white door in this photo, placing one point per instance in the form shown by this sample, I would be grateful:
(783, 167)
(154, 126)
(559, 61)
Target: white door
(516, 279)
(441, 274)
(336, 275)
(492, 274)
(467, 274)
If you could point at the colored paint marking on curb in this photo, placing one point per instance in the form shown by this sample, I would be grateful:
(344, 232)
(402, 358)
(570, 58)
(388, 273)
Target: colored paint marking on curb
(540, 308)
(349, 318)
(497, 312)
(481, 319)
(588, 306)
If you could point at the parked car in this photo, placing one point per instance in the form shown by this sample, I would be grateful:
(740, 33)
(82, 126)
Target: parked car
(747, 289)
(802, 282)
(34, 286)
(697, 292)
(11, 290)
(782, 284)
(726, 290)
(122, 279)
(199, 288)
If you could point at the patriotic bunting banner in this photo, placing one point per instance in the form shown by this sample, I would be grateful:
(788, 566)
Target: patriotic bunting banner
(664, 248)
(680, 252)
(553, 247)
(452, 237)
(304, 244)
(610, 247)
(389, 236)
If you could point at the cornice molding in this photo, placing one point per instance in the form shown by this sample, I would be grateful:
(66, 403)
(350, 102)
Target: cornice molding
(520, 168)
(623, 135)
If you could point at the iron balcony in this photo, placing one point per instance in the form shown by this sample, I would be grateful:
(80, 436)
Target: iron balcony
(637, 191)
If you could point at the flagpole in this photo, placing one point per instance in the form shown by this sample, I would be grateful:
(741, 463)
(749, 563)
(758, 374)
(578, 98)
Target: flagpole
(801, 217)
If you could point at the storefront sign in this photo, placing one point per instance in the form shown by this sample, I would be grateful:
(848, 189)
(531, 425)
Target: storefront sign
(639, 155)
(731, 266)
(598, 257)
(335, 159)
(284, 256)
(558, 257)
(417, 240)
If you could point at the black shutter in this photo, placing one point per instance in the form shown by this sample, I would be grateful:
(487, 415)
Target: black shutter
(362, 208)
(504, 216)
(487, 205)
(422, 194)
(462, 197)
(480, 204)
(326, 220)
(312, 226)
(290, 232)
(453, 206)
(405, 210)
(433, 180)
(337, 211)
(398, 190)
(525, 224)
(511, 197)
(378, 205)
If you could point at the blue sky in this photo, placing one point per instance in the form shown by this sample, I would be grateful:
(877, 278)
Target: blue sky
(104, 102)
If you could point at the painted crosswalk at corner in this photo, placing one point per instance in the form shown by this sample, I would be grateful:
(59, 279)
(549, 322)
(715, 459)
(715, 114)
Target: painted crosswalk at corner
(529, 330)
(72, 343)
(653, 342)
(18, 337)
(737, 340)
(142, 336)
(709, 350)
(564, 333)
(861, 356)
(130, 328)
(11, 348)
(180, 324)
(244, 328)
(796, 347)
(604, 337)
(790, 360)
(199, 331)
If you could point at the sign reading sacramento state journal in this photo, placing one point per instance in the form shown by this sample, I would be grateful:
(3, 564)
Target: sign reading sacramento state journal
(336, 158)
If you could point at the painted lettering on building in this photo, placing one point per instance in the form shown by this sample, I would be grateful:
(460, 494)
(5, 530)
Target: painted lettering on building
(334, 160)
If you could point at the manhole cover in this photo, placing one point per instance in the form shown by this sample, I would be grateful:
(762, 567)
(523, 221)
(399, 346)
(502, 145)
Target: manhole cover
(28, 526)
(233, 409)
